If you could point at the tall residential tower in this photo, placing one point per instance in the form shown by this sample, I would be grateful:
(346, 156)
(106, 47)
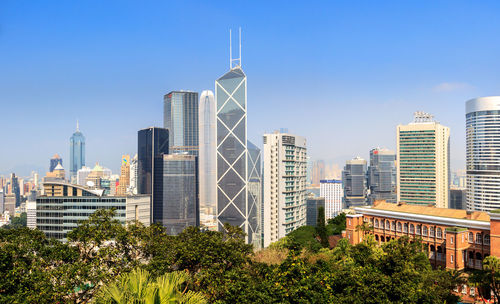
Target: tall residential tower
(285, 166)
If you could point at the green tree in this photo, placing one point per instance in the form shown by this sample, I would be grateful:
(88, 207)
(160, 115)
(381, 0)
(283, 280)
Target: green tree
(321, 228)
(17, 222)
(487, 279)
(138, 287)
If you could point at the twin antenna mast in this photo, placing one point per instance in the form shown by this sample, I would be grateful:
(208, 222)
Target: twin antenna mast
(236, 62)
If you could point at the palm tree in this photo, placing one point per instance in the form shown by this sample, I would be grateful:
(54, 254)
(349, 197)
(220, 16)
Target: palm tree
(137, 287)
(365, 228)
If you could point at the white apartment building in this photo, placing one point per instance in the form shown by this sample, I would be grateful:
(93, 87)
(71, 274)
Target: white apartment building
(332, 191)
(285, 171)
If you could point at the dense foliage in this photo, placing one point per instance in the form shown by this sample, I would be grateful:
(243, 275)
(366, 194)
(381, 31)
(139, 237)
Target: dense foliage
(17, 222)
(102, 255)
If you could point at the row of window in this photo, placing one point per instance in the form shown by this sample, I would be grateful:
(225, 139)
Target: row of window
(424, 230)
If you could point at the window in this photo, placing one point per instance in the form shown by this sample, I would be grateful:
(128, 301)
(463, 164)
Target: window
(387, 225)
(431, 232)
(451, 241)
(487, 239)
(472, 292)
(382, 224)
(424, 230)
(399, 227)
(479, 238)
(451, 258)
(376, 223)
(464, 289)
(405, 227)
(439, 233)
(349, 222)
(393, 226)
(471, 237)
(412, 228)
(419, 229)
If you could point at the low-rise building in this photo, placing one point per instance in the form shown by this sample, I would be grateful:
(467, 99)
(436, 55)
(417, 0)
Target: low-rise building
(64, 205)
(453, 239)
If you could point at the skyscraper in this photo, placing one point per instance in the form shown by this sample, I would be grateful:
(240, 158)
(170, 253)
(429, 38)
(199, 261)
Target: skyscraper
(152, 144)
(180, 117)
(423, 162)
(333, 193)
(76, 151)
(285, 166)
(382, 175)
(207, 160)
(56, 159)
(178, 206)
(483, 153)
(124, 176)
(233, 205)
(313, 204)
(318, 172)
(254, 186)
(354, 182)
(133, 175)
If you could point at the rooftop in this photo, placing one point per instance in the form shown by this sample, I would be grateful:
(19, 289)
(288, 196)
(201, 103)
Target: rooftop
(433, 211)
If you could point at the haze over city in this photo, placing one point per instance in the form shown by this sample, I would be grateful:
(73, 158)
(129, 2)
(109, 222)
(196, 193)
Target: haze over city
(343, 76)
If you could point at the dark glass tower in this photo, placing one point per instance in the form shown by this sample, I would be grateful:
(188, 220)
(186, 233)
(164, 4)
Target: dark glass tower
(382, 175)
(180, 117)
(152, 144)
(54, 161)
(354, 182)
(76, 151)
(176, 177)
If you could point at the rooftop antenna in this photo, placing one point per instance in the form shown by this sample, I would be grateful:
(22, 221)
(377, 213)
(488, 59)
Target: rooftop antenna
(236, 61)
(77, 126)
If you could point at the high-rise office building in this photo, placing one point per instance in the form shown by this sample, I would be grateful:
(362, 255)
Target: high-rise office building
(333, 193)
(76, 152)
(82, 174)
(423, 162)
(177, 176)
(285, 171)
(313, 204)
(483, 156)
(254, 186)
(233, 204)
(180, 117)
(56, 159)
(124, 176)
(207, 160)
(382, 175)
(318, 172)
(152, 143)
(133, 175)
(457, 198)
(14, 183)
(354, 182)
(2, 201)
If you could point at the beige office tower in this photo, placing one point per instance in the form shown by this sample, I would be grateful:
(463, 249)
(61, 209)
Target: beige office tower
(124, 176)
(285, 166)
(423, 162)
(207, 160)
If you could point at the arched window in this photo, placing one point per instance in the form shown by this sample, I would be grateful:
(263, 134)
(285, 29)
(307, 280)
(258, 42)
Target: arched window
(376, 237)
(399, 227)
(387, 225)
(419, 229)
(412, 229)
(478, 256)
(382, 239)
(486, 239)
(376, 223)
(393, 226)
(424, 231)
(431, 232)
(479, 238)
(405, 227)
(471, 237)
(371, 221)
(439, 233)
(381, 224)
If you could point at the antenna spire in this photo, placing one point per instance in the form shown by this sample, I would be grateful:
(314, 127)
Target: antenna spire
(240, 46)
(77, 126)
(230, 51)
(234, 62)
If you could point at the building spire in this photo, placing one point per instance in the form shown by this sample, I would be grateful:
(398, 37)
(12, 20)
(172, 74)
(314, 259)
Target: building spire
(77, 126)
(236, 62)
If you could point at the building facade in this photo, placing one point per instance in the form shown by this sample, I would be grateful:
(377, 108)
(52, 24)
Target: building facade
(152, 145)
(333, 193)
(453, 239)
(207, 160)
(64, 205)
(317, 172)
(313, 204)
(458, 198)
(76, 152)
(483, 153)
(255, 188)
(423, 166)
(285, 171)
(354, 182)
(124, 176)
(178, 207)
(382, 176)
(180, 117)
(133, 175)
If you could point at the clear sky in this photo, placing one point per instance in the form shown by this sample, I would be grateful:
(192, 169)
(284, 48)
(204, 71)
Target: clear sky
(341, 73)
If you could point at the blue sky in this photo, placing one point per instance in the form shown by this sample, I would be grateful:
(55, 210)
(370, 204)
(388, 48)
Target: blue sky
(341, 73)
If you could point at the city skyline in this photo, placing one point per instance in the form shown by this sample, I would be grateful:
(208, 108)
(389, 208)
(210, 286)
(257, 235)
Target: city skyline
(76, 70)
